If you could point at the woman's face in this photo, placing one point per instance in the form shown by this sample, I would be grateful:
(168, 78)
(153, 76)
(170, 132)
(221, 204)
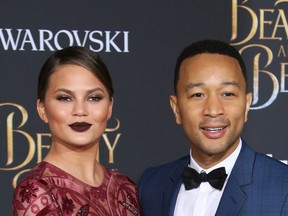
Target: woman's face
(76, 107)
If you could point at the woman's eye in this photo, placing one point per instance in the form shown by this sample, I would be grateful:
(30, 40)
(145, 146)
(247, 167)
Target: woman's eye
(95, 98)
(64, 98)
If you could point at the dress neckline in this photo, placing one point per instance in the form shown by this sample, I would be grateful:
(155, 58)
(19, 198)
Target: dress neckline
(106, 174)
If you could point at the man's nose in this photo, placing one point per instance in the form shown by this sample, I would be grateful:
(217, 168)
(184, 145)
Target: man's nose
(213, 106)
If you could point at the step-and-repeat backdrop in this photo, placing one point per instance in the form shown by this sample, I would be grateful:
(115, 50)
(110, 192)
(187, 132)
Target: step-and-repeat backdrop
(139, 41)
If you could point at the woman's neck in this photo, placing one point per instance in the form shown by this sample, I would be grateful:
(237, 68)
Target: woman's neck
(81, 164)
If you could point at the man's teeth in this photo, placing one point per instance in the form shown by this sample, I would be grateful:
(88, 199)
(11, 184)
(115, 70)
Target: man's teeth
(213, 129)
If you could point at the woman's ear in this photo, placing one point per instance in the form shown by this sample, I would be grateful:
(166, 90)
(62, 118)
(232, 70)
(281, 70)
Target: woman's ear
(110, 111)
(42, 111)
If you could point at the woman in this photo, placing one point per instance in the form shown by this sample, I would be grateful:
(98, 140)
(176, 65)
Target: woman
(75, 98)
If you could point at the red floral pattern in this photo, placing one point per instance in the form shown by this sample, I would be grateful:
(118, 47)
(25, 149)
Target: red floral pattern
(27, 192)
(83, 211)
(48, 190)
(67, 205)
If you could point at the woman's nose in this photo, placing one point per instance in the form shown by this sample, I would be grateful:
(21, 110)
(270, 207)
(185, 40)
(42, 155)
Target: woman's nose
(79, 109)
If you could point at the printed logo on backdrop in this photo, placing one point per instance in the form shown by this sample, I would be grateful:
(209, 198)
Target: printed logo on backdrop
(48, 40)
(261, 34)
(15, 135)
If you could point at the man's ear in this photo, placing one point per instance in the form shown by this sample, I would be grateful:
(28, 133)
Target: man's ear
(175, 109)
(42, 111)
(248, 104)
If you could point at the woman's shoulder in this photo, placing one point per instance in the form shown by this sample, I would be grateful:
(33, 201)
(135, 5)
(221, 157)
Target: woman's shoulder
(122, 190)
(34, 174)
(31, 184)
(40, 171)
(32, 193)
(117, 176)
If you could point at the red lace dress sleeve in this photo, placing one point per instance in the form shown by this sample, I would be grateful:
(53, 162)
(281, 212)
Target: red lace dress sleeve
(32, 197)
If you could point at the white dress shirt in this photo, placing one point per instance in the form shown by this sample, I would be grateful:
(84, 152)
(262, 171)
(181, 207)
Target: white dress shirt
(204, 200)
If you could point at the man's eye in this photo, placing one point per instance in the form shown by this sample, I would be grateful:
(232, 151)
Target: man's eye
(228, 94)
(197, 95)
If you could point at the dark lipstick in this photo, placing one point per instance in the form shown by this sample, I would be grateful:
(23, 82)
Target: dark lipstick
(80, 126)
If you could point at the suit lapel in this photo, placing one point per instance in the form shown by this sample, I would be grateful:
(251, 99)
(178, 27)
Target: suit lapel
(170, 197)
(241, 176)
(232, 200)
(172, 188)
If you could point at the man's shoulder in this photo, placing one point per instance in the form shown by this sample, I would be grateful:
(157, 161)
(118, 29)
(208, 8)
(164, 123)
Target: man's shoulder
(167, 168)
(260, 163)
(269, 162)
(179, 162)
(263, 160)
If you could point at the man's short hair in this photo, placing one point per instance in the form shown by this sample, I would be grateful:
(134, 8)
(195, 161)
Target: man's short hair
(212, 47)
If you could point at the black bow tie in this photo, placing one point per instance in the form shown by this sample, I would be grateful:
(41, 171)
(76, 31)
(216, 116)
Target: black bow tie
(192, 179)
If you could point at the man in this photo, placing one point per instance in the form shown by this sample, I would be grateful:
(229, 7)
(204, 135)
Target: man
(211, 103)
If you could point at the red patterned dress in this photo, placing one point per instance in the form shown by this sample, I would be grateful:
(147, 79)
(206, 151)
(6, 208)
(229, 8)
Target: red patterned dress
(48, 190)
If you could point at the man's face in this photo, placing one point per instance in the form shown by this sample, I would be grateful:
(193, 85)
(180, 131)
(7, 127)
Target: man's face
(211, 105)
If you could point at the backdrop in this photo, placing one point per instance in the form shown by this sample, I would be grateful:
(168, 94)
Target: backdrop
(139, 41)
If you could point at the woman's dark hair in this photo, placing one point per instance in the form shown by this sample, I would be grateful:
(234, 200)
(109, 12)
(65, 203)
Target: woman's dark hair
(74, 55)
(210, 47)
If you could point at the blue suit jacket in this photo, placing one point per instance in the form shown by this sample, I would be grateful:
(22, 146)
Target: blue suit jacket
(257, 186)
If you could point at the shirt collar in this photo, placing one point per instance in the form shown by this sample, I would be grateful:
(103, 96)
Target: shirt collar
(228, 163)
